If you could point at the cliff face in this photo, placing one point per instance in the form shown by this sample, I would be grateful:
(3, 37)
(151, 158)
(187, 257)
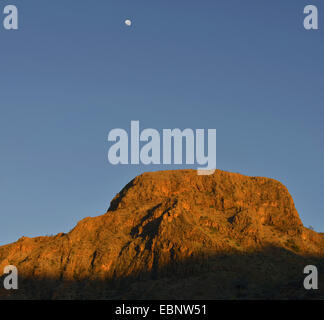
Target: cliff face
(175, 234)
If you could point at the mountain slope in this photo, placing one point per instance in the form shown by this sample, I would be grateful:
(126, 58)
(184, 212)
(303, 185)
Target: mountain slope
(174, 234)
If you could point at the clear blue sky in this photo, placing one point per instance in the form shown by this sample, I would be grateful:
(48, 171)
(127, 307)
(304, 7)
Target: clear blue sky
(74, 71)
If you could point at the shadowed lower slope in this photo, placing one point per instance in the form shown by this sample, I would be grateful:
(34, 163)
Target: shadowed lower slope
(174, 234)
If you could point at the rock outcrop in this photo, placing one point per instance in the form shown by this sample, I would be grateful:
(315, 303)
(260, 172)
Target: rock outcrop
(174, 234)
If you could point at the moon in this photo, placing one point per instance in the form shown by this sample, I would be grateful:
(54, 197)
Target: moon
(128, 22)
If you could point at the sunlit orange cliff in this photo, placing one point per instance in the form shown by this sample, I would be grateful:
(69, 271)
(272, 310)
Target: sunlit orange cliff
(176, 235)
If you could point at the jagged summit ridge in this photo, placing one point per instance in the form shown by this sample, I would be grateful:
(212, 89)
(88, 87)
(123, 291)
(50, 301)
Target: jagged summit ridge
(223, 191)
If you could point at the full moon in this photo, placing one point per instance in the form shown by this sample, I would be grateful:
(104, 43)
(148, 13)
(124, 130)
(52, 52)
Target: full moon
(128, 22)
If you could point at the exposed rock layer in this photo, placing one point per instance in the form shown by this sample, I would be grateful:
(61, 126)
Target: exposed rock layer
(175, 234)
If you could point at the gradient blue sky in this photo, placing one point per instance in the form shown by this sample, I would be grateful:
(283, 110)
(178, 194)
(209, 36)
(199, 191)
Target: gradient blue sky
(74, 71)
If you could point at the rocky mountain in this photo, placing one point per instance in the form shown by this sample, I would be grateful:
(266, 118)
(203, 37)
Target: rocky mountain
(176, 235)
